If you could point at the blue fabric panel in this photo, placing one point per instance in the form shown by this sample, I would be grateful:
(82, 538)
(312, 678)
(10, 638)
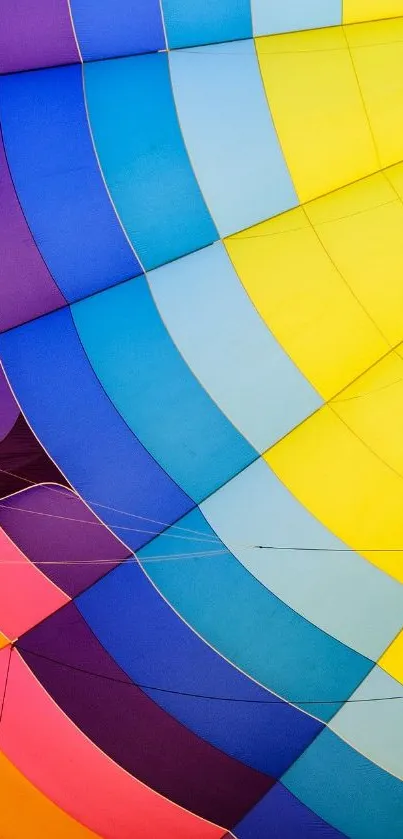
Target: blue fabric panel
(156, 393)
(279, 815)
(192, 22)
(245, 370)
(143, 157)
(230, 135)
(347, 790)
(250, 626)
(155, 647)
(272, 16)
(59, 183)
(72, 416)
(109, 28)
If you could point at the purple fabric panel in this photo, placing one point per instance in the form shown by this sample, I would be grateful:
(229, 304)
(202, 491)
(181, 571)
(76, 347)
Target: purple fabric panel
(131, 728)
(23, 460)
(35, 34)
(279, 815)
(51, 536)
(26, 286)
(9, 409)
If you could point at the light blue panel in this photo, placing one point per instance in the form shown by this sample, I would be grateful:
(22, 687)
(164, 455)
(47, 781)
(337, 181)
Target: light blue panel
(192, 22)
(340, 592)
(375, 728)
(143, 157)
(229, 133)
(271, 16)
(154, 390)
(252, 628)
(347, 790)
(229, 348)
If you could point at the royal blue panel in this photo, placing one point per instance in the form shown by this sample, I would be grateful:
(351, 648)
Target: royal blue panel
(59, 183)
(143, 157)
(250, 626)
(78, 425)
(192, 22)
(279, 815)
(156, 393)
(347, 790)
(155, 647)
(108, 28)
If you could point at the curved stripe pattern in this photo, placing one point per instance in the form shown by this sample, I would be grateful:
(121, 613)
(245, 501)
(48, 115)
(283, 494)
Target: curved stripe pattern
(204, 396)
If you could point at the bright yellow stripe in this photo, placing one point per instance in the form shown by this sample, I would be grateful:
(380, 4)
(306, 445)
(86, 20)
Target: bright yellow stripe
(317, 108)
(305, 302)
(345, 486)
(361, 227)
(357, 10)
(392, 659)
(327, 279)
(377, 52)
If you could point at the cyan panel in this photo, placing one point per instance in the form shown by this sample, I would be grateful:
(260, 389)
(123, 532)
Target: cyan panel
(156, 393)
(347, 790)
(206, 21)
(143, 157)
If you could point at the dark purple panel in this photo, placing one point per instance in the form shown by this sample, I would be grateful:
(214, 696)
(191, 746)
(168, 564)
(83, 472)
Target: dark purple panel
(23, 460)
(132, 729)
(9, 409)
(279, 815)
(26, 286)
(61, 529)
(35, 33)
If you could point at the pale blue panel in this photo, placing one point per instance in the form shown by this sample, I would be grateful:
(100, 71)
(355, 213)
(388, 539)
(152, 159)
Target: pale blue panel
(231, 351)
(271, 16)
(229, 133)
(156, 393)
(190, 22)
(347, 790)
(340, 592)
(375, 728)
(143, 157)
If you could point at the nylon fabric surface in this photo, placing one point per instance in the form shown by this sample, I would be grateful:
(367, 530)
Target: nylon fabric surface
(201, 460)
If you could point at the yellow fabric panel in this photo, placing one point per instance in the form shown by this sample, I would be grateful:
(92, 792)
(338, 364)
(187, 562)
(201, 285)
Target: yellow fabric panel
(361, 227)
(392, 659)
(345, 486)
(357, 10)
(373, 409)
(317, 108)
(25, 812)
(3, 641)
(305, 302)
(377, 52)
